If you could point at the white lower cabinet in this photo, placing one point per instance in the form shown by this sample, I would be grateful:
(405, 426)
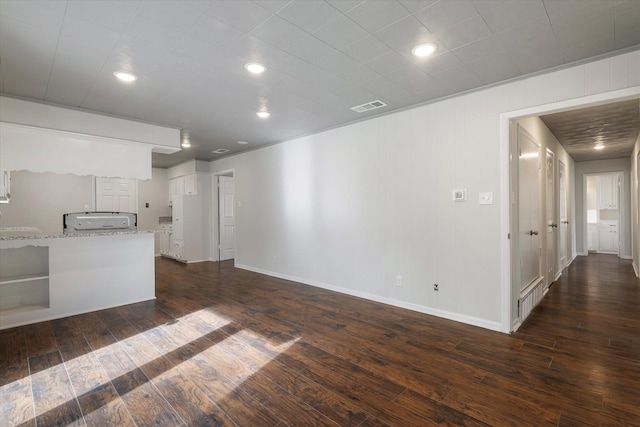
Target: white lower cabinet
(608, 241)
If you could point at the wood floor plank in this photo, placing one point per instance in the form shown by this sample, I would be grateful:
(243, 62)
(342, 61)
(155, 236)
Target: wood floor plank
(16, 406)
(102, 406)
(435, 412)
(94, 331)
(237, 404)
(288, 407)
(487, 404)
(145, 404)
(40, 339)
(14, 366)
(53, 395)
(86, 373)
(191, 403)
(323, 400)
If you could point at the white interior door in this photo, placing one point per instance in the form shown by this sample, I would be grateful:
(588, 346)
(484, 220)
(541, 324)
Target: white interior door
(116, 195)
(564, 217)
(551, 217)
(226, 203)
(529, 209)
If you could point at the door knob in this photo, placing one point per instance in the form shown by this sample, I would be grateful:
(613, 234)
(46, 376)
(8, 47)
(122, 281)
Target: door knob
(533, 233)
(554, 225)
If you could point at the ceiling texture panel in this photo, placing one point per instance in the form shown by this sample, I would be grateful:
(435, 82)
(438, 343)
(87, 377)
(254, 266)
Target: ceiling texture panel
(321, 59)
(613, 126)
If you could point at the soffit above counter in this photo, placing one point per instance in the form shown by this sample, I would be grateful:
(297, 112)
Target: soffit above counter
(45, 138)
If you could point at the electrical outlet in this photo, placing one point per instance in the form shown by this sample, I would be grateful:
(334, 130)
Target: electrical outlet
(436, 287)
(398, 280)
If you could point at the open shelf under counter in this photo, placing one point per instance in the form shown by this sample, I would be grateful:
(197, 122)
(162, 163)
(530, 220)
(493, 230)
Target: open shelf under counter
(23, 278)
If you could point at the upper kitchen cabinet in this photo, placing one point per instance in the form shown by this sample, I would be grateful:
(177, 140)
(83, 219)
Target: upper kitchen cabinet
(608, 191)
(189, 178)
(45, 138)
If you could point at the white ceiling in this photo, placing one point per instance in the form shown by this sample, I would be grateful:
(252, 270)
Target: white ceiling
(322, 57)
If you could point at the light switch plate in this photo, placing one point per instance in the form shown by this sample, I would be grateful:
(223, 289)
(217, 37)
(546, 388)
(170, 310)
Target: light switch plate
(459, 195)
(486, 198)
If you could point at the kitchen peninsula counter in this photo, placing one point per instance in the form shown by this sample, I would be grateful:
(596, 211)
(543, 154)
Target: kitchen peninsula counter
(49, 276)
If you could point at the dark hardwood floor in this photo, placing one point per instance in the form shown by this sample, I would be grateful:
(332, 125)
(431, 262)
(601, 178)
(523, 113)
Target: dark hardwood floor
(227, 347)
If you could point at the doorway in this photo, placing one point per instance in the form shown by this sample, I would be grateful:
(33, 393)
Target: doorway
(225, 229)
(602, 212)
(511, 266)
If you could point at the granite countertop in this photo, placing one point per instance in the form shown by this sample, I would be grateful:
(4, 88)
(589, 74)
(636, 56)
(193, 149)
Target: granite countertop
(25, 233)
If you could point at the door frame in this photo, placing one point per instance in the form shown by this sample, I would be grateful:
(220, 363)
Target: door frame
(215, 214)
(509, 249)
(585, 231)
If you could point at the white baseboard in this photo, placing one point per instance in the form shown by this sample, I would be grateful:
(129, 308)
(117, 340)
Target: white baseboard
(635, 268)
(470, 320)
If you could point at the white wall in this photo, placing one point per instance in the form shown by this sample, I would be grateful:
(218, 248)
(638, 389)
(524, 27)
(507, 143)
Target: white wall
(40, 199)
(351, 208)
(602, 166)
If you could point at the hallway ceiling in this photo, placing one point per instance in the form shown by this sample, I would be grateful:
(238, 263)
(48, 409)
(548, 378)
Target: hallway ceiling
(616, 126)
(322, 57)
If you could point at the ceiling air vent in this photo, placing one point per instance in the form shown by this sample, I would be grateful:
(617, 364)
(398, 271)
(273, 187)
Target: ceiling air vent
(368, 106)
(220, 151)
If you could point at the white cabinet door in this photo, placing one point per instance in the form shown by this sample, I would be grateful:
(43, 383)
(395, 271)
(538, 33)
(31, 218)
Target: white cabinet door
(529, 210)
(177, 213)
(608, 238)
(608, 186)
(191, 184)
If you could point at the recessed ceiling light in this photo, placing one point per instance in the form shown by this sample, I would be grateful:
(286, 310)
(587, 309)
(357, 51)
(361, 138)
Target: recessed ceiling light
(125, 77)
(598, 147)
(242, 142)
(424, 50)
(220, 151)
(263, 114)
(255, 68)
